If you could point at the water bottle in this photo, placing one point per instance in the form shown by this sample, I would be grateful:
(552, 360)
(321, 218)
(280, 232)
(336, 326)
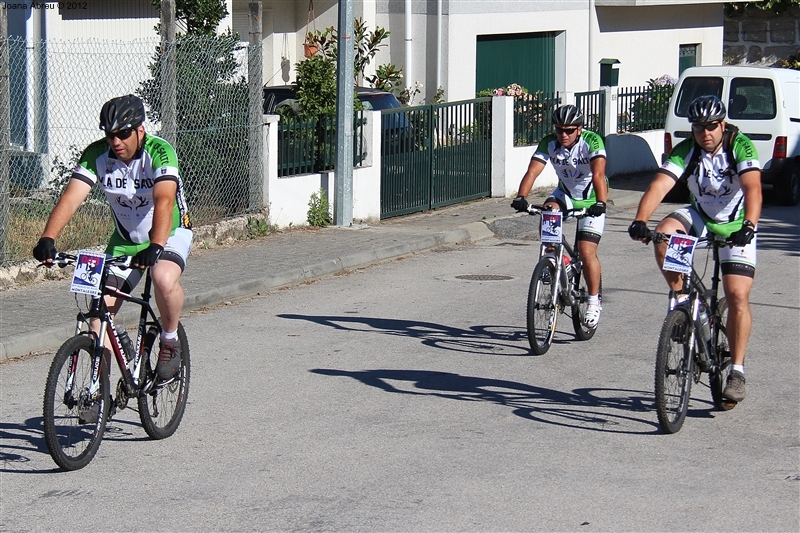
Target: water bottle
(705, 327)
(125, 341)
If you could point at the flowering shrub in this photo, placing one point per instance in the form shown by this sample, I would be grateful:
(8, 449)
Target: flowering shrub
(514, 90)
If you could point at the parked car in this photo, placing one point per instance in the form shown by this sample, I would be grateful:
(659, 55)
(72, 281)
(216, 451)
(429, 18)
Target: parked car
(396, 128)
(764, 103)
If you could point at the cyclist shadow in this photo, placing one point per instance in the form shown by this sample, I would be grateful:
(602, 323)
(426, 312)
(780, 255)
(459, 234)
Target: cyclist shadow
(19, 443)
(592, 409)
(495, 340)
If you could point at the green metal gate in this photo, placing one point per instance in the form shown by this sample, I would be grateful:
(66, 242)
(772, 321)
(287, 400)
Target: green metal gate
(435, 155)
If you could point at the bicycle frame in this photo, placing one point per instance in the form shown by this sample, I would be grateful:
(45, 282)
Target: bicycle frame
(98, 310)
(698, 293)
(556, 252)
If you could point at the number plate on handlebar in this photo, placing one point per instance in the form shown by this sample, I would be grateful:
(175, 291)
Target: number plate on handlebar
(680, 253)
(88, 273)
(552, 223)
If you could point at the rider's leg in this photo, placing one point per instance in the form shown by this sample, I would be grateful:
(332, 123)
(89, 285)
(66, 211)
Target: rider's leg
(591, 265)
(740, 320)
(168, 293)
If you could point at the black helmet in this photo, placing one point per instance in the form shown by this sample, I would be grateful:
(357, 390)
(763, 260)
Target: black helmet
(567, 115)
(121, 113)
(707, 108)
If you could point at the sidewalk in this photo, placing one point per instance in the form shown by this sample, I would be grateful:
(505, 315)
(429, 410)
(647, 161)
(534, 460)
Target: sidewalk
(40, 317)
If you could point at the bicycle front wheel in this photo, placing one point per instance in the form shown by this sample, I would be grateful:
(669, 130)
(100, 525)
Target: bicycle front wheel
(542, 307)
(74, 418)
(582, 331)
(162, 404)
(673, 376)
(723, 360)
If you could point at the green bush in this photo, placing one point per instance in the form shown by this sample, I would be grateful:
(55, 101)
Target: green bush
(319, 214)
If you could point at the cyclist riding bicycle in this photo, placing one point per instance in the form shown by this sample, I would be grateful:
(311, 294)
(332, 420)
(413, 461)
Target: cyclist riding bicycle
(139, 175)
(725, 200)
(579, 159)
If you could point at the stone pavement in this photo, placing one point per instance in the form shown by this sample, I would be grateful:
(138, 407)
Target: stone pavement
(40, 317)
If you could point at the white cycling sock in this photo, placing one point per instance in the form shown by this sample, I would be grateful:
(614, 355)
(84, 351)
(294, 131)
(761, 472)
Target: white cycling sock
(169, 335)
(738, 368)
(593, 299)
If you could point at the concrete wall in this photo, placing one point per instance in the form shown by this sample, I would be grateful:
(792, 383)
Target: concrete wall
(287, 197)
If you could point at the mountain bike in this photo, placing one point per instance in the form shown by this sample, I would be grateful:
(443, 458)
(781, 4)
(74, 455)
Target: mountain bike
(77, 396)
(557, 283)
(693, 340)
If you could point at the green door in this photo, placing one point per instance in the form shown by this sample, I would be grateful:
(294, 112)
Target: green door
(687, 57)
(525, 58)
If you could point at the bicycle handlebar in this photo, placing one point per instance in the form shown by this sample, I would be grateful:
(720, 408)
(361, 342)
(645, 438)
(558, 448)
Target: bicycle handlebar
(569, 213)
(710, 238)
(63, 259)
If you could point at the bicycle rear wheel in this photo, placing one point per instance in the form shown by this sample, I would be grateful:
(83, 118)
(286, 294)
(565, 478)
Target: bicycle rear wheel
(74, 420)
(582, 331)
(723, 360)
(542, 307)
(162, 406)
(673, 376)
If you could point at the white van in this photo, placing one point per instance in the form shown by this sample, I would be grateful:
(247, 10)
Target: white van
(764, 103)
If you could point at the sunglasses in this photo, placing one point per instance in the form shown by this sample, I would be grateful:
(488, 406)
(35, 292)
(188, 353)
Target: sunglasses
(566, 131)
(121, 134)
(707, 127)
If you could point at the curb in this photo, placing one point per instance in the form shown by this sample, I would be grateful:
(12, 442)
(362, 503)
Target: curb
(45, 340)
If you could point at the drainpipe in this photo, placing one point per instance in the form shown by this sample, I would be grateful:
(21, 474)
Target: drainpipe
(592, 21)
(438, 44)
(409, 61)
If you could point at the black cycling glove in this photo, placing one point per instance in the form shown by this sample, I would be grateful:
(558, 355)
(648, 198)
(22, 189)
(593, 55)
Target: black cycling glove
(743, 236)
(520, 204)
(45, 249)
(638, 230)
(148, 257)
(597, 209)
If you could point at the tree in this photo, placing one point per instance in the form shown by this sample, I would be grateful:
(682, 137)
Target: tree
(200, 16)
(775, 6)
(211, 109)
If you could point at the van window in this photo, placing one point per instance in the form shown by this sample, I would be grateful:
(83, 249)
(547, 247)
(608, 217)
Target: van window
(693, 87)
(752, 99)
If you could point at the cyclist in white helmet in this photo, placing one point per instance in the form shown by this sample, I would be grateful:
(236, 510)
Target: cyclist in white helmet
(579, 159)
(139, 175)
(726, 200)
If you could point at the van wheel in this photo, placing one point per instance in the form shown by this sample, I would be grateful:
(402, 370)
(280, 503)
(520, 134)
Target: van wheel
(788, 188)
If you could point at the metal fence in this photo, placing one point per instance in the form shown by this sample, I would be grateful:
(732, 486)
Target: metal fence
(593, 105)
(55, 92)
(642, 108)
(532, 114)
(309, 145)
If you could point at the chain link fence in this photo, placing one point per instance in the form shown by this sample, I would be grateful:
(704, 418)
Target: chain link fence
(53, 95)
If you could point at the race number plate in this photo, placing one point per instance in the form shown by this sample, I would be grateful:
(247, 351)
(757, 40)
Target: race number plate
(680, 253)
(88, 273)
(551, 226)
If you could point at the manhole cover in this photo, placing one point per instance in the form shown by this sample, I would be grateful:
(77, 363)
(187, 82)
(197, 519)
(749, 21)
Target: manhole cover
(484, 277)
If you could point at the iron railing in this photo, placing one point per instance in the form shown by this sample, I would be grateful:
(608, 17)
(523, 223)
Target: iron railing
(642, 108)
(531, 116)
(593, 105)
(308, 145)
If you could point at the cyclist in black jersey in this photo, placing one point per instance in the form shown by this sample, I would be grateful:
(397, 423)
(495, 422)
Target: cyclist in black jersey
(579, 159)
(726, 200)
(139, 175)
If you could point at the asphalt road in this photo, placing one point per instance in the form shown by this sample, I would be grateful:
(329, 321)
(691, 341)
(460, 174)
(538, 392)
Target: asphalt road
(401, 397)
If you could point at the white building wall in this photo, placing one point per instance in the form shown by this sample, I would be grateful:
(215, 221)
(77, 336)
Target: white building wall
(646, 40)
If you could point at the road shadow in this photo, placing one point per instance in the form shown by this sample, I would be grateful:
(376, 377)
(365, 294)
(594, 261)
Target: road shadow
(592, 409)
(483, 340)
(20, 443)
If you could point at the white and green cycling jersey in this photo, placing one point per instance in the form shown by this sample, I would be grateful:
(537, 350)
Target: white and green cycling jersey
(715, 184)
(573, 165)
(129, 187)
